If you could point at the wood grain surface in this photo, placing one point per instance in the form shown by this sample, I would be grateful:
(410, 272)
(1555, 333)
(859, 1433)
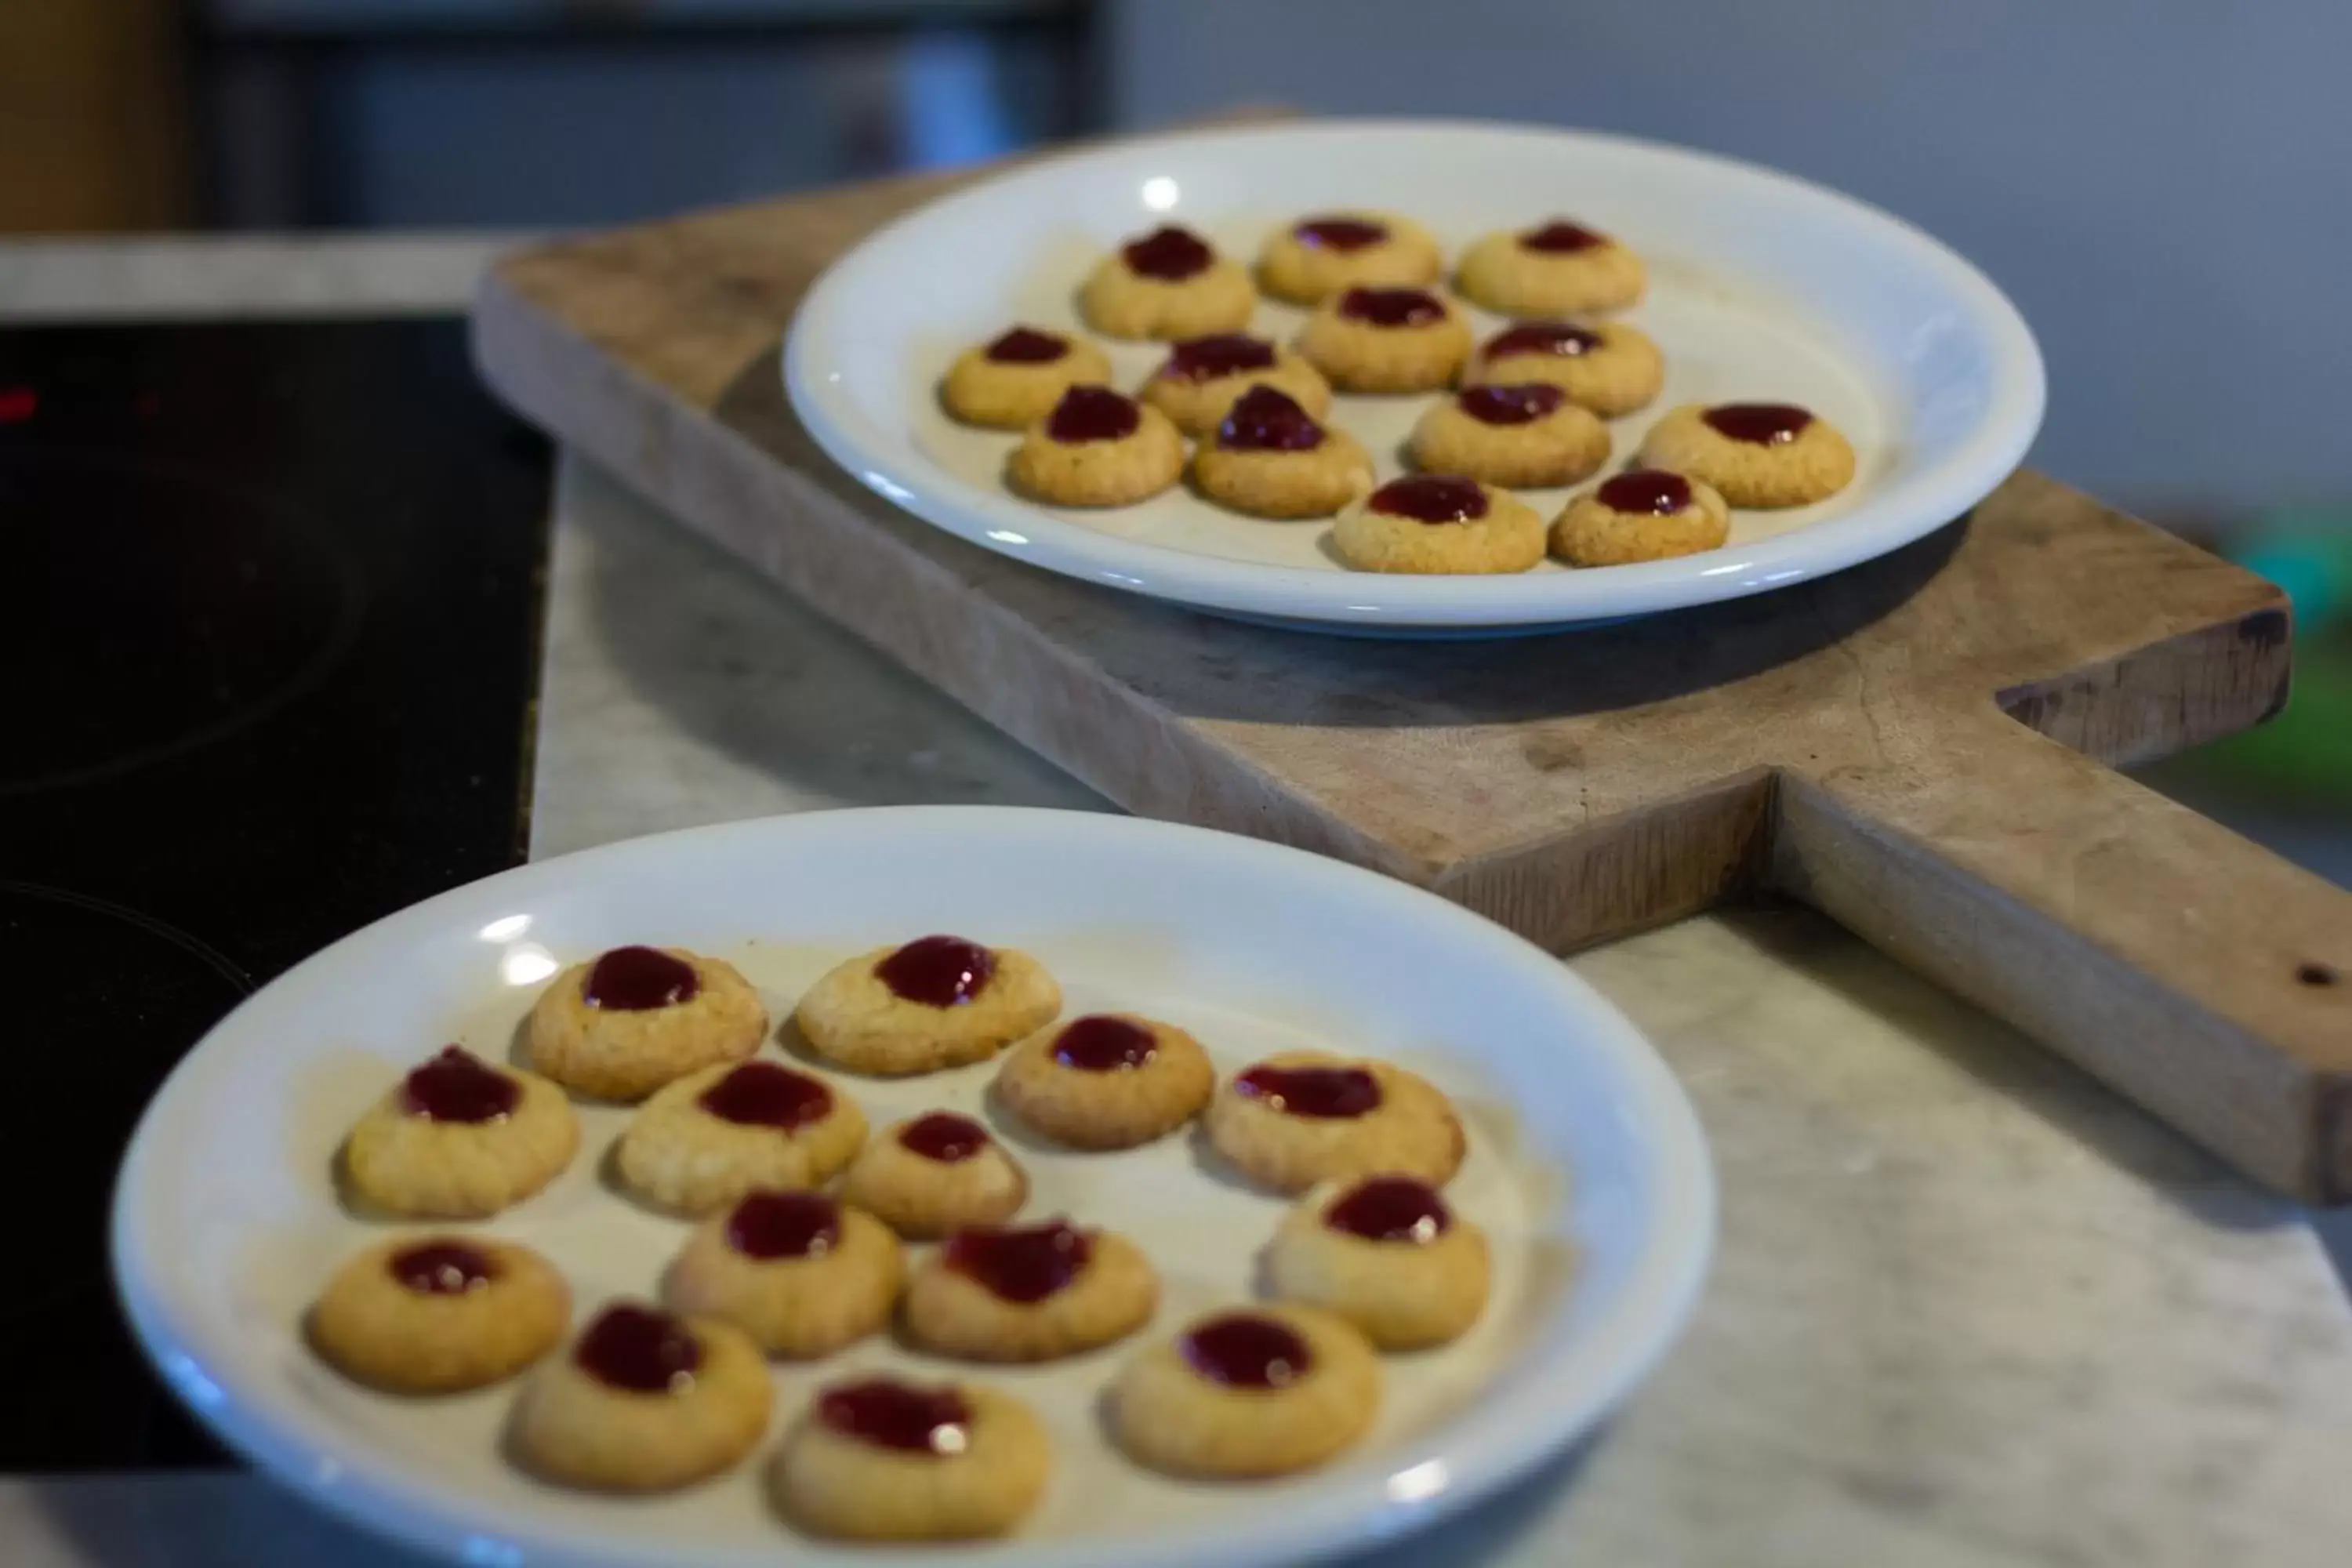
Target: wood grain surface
(1919, 745)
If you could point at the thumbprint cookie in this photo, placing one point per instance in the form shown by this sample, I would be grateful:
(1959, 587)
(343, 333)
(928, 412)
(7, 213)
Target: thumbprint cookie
(1202, 376)
(1757, 454)
(801, 1273)
(938, 1002)
(1257, 1390)
(460, 1138)
(1641, 514)
(1014, 379)
(1606, 366)
(1528, 434)
(1035, 1293)
(876, 1458)
(1388, 1254)
(1270, 457)
(935, 1174)
(1439, 523)
(1304, 1117)
(1387, 340)
(1108, 1080)
(1098, 447)
(645, 1401)
(438, 1314)
(1170, 283)
(1317, 257)
(636, 1017)
(1556, 268)
(713, 1136)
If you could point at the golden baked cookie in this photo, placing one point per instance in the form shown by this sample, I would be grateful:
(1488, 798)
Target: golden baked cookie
(1014, 380)
(935, 1174)
(1254, 1390)
(1035, 1293)
(1269, 457)
(1641, 514)
(803, 1273)
(1439, 523)
(714, 1135)
(1528, 435)
(636, 1017)
(1317, 257)
(643, 1401)
(879, 1459)
(1201, 377)
(1108, 1080)
(1606, 366)
(1556, 268)
(1757, 453)
(460, 1138)
(938, 1002)
(1304, 1117)
(1098, 447)
(1387, 340)
(1388, 1254)
(1170, 283)
(435, 1314)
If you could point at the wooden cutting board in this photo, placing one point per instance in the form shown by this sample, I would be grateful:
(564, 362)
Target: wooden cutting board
(1920, 746)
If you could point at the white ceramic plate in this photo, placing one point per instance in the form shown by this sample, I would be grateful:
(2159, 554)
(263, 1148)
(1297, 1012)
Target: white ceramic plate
(1763, 288)
(1586, 1165)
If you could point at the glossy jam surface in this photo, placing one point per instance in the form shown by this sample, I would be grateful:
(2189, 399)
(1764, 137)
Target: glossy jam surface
(894, 1414)
(1652, 490)
(1170, 254)
(458, 1086)
(1391, 307)
(1025, 1265)
(1543, 338)
(1522, 404)
(442, 1267)
(770, 1226)
(764, 1094)
(1341, 233)
(1430, 498)
(1243, 1349)
(941, 970)
(1390, 1209)
(1325, 1093)
(1227, 353)
(944, 1136)
(638, 980)
(1264, 420)
(1026, 345)
(1759, 424)
(1103, 1044)
(1561, 237)
(639, 1350)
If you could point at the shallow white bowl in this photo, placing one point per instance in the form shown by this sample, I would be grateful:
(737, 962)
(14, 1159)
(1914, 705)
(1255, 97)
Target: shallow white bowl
(1763, 288)
(1585, 1166)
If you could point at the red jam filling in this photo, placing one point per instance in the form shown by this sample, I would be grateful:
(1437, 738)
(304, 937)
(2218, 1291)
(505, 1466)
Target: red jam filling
(1324, 1093)
(1431, 499)
(763, 1094)
(1561, 237)
(1026, 345)
(1264, 420)
(1103, 1044)
(639, 1350)
(1521, 405)
(1391, 307)
(1390, 1209)
(948, 970)
(770, 1225)
(458, 1086)
(638, 980)
(1341, 233)
(1020, 1266)
(893, 1415)
(1543, 338)
(1652, 490)
(1227, 353)
(1243, 1349)
(944, 1136)
(1170, 254)
(1759, 424)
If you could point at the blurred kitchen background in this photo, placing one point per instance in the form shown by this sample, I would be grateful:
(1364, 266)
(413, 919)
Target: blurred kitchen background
(2157, 183)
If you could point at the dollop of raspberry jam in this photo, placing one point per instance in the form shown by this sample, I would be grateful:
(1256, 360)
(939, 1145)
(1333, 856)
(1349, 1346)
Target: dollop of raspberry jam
(1522, 404)
(1026, 345)
(458, 1086)
(1652, 490)
(941, 970)
(1020, 1266)
(1244, 1350)
(944, 1136)
(1103, 1044)
(1391, 307)
(894, 1414)
(1170, 252)
(1092, 413)
(639, 1350)
(442, 1267)
(1341, 233)
(1390, 1209)
(1431, 499)
(1562, 338)
(1265, 420)
(1226, 353)
(770, 1225)
(1561, 237)
(638, 980)
(1324, 1093)
(1760, 424)
(767, 1094)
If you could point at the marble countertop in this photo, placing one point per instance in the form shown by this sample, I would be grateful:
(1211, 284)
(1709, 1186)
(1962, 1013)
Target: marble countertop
(1969, 1310)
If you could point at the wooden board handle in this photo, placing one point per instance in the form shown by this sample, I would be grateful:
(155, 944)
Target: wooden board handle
(2191, 970)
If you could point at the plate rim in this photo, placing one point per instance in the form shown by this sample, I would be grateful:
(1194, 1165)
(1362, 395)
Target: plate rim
(1493, 1442)
(1020, 530)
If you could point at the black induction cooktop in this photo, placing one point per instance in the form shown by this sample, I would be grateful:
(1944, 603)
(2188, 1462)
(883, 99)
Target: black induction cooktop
(268, 619)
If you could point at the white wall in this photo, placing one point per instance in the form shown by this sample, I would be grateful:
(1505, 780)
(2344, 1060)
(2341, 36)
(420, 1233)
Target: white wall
(2164, 186)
